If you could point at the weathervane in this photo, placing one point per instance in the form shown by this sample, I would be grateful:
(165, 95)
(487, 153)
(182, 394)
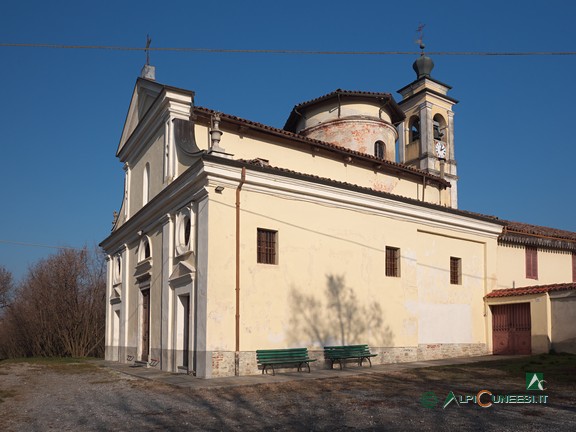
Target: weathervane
(147, 49)
(420, 40)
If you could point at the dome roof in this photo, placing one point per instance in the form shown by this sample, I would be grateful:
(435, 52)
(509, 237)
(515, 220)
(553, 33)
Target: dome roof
(423, 65)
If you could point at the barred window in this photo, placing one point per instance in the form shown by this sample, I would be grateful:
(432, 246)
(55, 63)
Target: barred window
(455, 271)
(573, 267)
(531, 263)
(267, 242)
(392, 261)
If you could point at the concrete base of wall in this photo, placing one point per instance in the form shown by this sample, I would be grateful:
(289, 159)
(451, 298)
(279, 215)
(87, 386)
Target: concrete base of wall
(224, 363)
(227, 363)
(565, 346)
(120, 354)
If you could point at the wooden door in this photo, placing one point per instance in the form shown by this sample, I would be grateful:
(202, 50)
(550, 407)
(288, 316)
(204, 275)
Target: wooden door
(145, 324)
(186, 332)
(511, 329)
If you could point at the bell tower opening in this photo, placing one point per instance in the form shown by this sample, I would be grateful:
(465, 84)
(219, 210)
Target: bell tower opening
(427, 134)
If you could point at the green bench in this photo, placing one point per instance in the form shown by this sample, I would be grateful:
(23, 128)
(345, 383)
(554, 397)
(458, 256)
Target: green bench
(341, 353)
(283, 357)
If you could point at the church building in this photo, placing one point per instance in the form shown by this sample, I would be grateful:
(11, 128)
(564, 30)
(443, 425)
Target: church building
(341, 228)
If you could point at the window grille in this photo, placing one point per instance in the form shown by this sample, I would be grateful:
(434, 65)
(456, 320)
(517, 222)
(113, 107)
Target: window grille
(267, 246)
(455, 271)
(392, 261)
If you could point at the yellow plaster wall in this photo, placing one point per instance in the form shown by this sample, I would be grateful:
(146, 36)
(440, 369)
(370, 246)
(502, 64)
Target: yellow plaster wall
(452, 313)
(553, 267)
(309, 162)
(563, 307)
(288, 304)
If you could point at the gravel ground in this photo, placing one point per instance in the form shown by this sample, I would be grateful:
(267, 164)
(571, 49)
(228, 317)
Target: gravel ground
(86, 397)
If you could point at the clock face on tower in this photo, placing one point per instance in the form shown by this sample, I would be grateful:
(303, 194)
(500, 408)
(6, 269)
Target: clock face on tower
(441, 149)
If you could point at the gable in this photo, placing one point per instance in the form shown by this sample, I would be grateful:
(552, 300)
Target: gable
(144, 94)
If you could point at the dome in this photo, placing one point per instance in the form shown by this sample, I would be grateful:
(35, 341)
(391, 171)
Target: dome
(423, 66)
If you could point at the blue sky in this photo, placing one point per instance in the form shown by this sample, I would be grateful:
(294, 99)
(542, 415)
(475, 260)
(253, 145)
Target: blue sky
(62, 111)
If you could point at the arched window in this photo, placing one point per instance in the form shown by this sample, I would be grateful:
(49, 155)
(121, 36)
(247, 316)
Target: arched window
(144, 250)
(146, 185)
(117, 269)
(414, 127)
(379, 149)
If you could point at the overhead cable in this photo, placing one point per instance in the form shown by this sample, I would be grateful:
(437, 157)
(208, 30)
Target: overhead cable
(292, 52)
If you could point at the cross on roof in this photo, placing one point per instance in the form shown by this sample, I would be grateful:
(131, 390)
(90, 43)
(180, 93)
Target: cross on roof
(147, 49)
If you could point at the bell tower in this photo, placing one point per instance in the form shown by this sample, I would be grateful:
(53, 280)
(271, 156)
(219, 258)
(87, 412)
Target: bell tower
(426, 136)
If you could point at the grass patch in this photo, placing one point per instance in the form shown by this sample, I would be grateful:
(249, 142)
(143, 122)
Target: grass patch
(558, 367)
(553, 365)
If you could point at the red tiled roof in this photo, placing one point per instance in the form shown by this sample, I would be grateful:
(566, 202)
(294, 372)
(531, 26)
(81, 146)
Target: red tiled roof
(397, 113)
(345, 93)
(393, 165)
(537, 289)
(539, 231)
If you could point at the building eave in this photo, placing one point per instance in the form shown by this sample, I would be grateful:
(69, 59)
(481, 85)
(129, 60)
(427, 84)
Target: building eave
(255, 165)
(531, 290)
(291, 137)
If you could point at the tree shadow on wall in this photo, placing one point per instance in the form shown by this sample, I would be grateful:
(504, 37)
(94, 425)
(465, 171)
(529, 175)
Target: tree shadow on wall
(341, 319)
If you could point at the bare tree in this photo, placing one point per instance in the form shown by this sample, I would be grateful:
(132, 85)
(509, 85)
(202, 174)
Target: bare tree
(6, 285)
(58, 310)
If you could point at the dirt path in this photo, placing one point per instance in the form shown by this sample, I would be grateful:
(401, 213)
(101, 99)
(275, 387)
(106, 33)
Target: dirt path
(89, 398)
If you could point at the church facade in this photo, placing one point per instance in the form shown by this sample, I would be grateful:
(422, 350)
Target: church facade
(343, 227)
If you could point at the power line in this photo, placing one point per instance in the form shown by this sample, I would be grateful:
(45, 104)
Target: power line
(38, 245)
(292, 52)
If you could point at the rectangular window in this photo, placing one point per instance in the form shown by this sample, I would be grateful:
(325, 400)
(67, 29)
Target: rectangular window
(531, 263)
(455, 271)
(392, 261)
(267, 246)
(573, 267)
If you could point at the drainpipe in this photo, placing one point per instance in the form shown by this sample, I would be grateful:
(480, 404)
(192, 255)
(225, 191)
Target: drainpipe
(237, 349)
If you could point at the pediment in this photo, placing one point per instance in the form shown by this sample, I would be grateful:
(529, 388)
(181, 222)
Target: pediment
(183, 272)
(144, 94)
(143, 270)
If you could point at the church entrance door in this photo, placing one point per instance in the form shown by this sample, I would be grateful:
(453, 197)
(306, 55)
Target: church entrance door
(145, 324)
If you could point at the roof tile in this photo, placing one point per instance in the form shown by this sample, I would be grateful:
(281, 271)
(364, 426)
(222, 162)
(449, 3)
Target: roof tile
(536, 289)
(540, 231)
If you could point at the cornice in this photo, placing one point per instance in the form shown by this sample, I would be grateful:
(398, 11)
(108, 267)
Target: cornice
(189, 186)
(395, 208)
(439, 95)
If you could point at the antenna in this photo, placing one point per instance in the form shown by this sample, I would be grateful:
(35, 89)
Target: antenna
(147, 49)
(420, 40)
